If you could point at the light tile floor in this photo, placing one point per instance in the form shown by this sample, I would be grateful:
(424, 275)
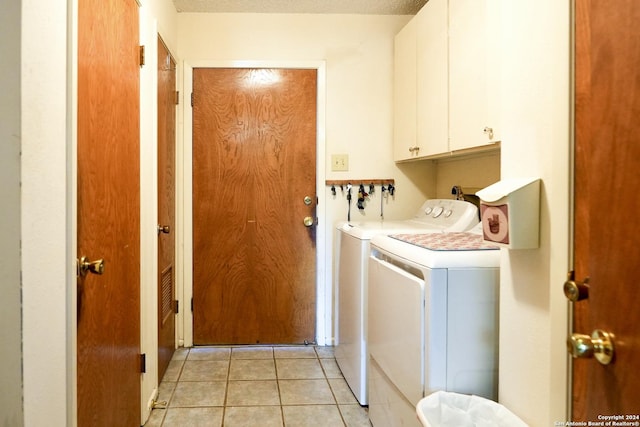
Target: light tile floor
(256, 386)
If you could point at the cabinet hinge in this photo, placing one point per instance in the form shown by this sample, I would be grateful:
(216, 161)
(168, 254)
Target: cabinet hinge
(176, 306)
(191, 99)
(192, 305)
(142, 57)
(143, 363)
(177, 97)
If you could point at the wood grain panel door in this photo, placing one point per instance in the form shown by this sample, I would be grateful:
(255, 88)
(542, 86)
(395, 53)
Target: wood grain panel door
(607, 173)
(109, 213)
(254, 163)
(166, 206)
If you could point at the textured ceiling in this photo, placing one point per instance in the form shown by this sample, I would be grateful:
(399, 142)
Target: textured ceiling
(360, 7)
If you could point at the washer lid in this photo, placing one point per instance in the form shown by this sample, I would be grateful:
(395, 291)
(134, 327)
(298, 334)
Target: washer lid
(421, 257)
(455, 241)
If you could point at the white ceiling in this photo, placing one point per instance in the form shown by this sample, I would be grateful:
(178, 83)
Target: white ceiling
(359, 7)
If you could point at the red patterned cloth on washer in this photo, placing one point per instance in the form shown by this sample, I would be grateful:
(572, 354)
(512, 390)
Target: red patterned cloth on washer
(447, 241)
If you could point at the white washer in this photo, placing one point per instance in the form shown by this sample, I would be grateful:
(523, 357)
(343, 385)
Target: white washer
(352, 255)
(433, 321)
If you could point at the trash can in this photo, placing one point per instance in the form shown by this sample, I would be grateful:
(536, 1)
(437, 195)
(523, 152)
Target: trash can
(447, 409)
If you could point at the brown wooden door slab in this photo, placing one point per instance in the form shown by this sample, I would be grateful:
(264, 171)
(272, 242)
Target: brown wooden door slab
(166, 206)
(109, 213)
(254, 162)
(607, 172)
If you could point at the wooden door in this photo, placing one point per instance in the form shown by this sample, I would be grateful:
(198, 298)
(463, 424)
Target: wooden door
(254, 162)
(607, 173)
(109, 213)
(166, 206)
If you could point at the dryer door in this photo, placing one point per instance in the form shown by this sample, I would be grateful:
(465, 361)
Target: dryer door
(396, 326)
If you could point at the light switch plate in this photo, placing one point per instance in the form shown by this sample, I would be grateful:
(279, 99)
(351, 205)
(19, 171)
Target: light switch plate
(339, 162)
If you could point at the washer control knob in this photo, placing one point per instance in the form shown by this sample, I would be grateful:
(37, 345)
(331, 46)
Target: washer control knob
(437, 211)
(448, 213)
(428, 210)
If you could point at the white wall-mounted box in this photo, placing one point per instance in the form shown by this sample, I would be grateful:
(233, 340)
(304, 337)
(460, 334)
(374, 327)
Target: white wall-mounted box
(510, 212)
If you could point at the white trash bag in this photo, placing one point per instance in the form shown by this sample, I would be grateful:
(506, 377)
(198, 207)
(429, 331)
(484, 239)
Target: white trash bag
(446, 409)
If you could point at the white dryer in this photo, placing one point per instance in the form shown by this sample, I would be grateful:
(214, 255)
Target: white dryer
(433, 321)
(435, 215)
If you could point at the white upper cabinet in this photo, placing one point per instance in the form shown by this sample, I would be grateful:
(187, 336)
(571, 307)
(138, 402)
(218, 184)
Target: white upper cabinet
(404, 93)
(432, 97)
(420, 84)
(473, 74)
(447, 79)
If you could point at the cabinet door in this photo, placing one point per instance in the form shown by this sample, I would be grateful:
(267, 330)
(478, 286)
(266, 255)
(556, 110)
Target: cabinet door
(432, 60)
(473, 73)
(404, 95)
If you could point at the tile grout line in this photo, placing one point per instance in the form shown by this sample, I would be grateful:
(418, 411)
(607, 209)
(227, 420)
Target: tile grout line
(275, 366)
(173, 391)
(344, 422)
(226, 389)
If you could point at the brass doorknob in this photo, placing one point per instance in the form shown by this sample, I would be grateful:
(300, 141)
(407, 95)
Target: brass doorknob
(308, 221)
(85, 266)
(164, 229)
(599, 344)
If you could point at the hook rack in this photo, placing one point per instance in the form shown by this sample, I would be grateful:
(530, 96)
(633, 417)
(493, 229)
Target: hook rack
(362, 195)
(359, 181)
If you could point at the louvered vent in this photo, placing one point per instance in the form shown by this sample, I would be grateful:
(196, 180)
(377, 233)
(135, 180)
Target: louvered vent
(167, 293)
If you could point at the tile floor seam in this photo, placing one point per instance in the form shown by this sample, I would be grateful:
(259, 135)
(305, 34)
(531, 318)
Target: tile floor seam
(173, 390)
(275, 364)
(226, 388)
(334, 396)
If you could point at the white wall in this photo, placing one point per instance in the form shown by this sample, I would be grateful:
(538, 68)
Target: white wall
(166, 18)
(358, 53)
(536, 142)
(10, 322)
(470, 173)
(46, 254)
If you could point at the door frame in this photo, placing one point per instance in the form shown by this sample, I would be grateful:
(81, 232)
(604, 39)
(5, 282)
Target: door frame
(571, 200)
(150, 382)
(184, 193)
